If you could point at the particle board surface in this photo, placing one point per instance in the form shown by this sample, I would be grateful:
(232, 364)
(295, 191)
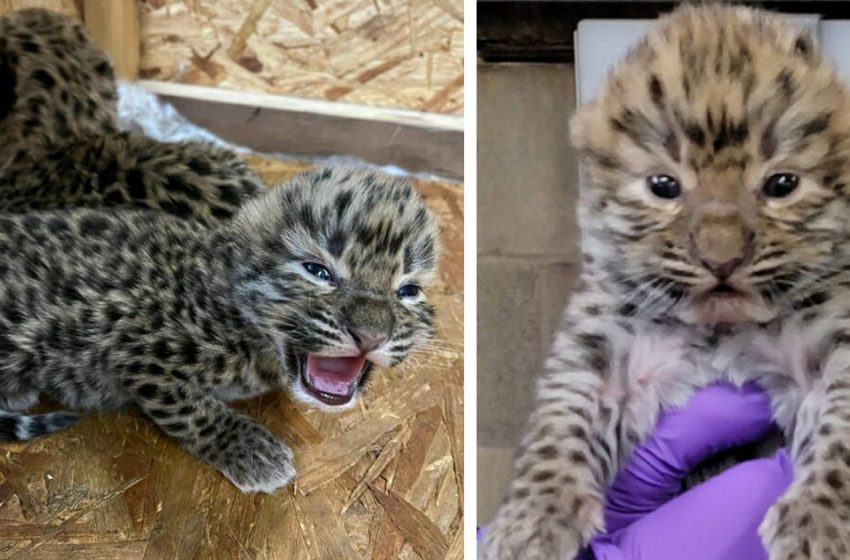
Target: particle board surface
(393, 53)
(70, 8)
(382, 481)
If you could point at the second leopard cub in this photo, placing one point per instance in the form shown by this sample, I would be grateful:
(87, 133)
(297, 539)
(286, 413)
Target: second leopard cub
(310, 285)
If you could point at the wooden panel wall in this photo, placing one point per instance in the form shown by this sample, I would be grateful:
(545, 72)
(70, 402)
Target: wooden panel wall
(114, 25)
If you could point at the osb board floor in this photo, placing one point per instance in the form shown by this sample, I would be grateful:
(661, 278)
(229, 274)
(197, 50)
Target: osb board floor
(382, 481)
(393, 53)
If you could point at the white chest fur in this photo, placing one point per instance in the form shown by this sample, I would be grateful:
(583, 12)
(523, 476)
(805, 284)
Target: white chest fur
(658, 367)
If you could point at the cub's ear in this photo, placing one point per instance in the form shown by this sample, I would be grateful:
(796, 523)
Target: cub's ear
(804, 45)
(590, 136)
(8, 84)
(578, 129)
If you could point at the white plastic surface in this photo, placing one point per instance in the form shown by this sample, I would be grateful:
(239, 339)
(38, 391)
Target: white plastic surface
(602, 42)
(835, 43)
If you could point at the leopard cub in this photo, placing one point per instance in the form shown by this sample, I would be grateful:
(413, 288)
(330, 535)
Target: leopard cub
(61, 144)
(307, 288)
(714, 220)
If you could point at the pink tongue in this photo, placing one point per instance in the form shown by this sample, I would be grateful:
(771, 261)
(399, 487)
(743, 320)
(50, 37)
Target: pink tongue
(334, 375)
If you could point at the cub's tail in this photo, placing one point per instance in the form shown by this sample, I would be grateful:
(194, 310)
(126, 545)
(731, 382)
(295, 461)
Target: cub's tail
(20, 427)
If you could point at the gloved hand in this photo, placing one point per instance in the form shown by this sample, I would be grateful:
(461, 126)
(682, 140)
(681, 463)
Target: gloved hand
(717, 520)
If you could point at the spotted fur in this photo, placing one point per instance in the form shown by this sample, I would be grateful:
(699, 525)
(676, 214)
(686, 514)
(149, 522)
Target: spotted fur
(191, 180)
(61, 146)
(722, 273)
(105, 309)
(54, 82)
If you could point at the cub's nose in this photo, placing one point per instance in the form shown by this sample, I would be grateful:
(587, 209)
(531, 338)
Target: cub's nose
(722, 245)
(723, 270)
(367, 338)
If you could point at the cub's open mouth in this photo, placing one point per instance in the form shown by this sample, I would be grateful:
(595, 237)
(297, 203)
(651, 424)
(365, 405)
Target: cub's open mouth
(332, 379)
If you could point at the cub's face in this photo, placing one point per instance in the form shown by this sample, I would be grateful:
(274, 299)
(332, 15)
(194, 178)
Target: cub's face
(718, 156)
(335, 274)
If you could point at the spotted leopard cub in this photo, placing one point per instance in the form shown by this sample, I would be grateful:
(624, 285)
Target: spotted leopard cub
(716, 245)
(307, 288)
(61, 147)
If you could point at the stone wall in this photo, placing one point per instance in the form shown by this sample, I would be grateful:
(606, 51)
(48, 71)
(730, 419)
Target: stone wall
(527, 248)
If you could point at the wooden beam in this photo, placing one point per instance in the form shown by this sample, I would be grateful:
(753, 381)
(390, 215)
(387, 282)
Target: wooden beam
(419, 142)
(114, 26)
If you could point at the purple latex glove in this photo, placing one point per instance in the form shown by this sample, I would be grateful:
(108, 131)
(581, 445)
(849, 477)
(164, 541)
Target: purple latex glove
(717, 520)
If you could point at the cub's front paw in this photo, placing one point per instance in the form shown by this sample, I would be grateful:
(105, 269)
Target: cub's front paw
(541, 531)
(253, 459)
(805, 524)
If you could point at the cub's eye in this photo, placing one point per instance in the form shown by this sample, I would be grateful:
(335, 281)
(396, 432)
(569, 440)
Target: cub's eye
(780, 185)
(409, 291)
(664, 186)
(319, 271)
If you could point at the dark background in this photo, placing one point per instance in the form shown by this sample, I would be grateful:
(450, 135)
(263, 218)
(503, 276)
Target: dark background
(542, 31)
